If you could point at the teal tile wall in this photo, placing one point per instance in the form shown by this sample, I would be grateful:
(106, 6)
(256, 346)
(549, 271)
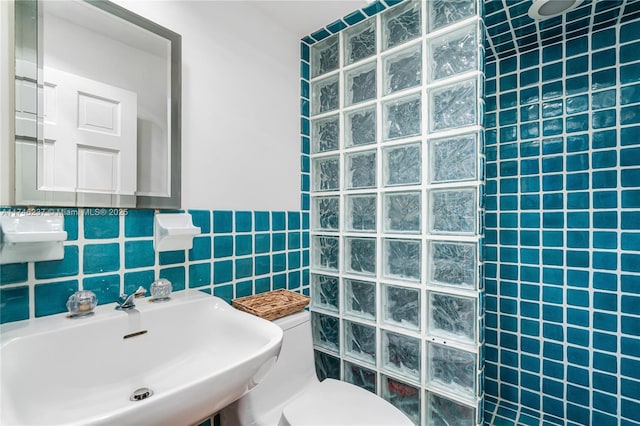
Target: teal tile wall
(238, 253)
(562, 252)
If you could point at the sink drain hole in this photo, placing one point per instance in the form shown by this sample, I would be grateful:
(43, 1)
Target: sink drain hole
(140, 394)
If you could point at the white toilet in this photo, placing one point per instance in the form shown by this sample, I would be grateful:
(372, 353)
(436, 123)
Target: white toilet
(292, 395)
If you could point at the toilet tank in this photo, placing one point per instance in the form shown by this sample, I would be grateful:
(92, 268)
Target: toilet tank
(294, 370)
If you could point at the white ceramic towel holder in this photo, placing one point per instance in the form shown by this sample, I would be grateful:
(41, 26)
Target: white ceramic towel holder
(29, 237)
(174, 231)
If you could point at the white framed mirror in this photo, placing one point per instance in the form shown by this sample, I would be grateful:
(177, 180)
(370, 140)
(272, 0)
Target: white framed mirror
(98, 106)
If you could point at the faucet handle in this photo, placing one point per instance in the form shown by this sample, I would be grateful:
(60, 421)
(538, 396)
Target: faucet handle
(140, 292)
(82, 303)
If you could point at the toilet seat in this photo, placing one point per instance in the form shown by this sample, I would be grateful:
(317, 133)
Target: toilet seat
(336, 403)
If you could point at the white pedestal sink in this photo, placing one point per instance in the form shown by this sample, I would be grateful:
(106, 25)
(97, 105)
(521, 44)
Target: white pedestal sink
(195, 353)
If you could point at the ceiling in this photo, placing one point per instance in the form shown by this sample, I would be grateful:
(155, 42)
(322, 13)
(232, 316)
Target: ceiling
(302, 17)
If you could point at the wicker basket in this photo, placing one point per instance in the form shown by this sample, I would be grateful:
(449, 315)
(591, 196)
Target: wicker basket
(273, 304)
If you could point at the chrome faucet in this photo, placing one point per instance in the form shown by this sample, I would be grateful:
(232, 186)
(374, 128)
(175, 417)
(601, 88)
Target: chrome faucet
(126, 302)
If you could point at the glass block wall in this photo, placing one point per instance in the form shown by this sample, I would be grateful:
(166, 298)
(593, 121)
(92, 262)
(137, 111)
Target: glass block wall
(562, 215)
(392, 106)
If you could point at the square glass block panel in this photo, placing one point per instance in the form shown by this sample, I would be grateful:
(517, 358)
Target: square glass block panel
(451, 370)
(401, 354)
(402, 212)
(401, 307)
(401, 24)
(327, 366)
(453, 211)
(326, 174)
(361, 170)
(360, 342)
(443, 411)
(452, 317)
(360, 127)
(403, 396)
(326, 331)
(361, 255)
(360, 299)
(402, 117)
(453, 53)
(360, 41)
(326, 213)
(402, 165)
(402, 259)
(360, 376)
(444, 12)
(454, 158)
(402, 70)
(361, 213)
(325, 95)
(325, 292)
(453, 106)
(360, 84)
(453, 264)
(326, 252)
(325, 134)
(325, 56)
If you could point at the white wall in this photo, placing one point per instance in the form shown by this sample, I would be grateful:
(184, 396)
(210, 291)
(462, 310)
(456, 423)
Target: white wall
(240, 98)
(6, 107)
(240, 104)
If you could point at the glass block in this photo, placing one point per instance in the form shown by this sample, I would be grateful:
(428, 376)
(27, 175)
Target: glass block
(361, 170)
(401, 354)
(326, 331)
(401, 24)
(402, 259)
(326, 174)
(453, 53)
(325, 292)
(360, 299)
(360, 376)
(325, 134)
(361, 213)
(453, 211)
(325, 252)
(454, 106)
(360, 341)
(360, 84)
(453, 264)
(402, 70)
(325, 56)
(402, 118)
(445, 12)
(402, 212)
(403, 396)
(445, 412)
(401, 307)
(451, 370)
(361, 255)
(325, 95)
(360, 127)
(454, 158)
(452, 317)
(327, 366)
(326, 213)
(402, 165)
(360, 41)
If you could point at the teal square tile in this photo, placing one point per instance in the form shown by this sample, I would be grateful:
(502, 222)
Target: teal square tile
(138, 254)
(225, 292)
(106, 287)
(262, 222)
(171, 257)
(279, 262)
(263, 285)
(278, 221)
(13, 273)
(133, 280)
(262, 243)
(99, 258)
(279, 281)
(201, 249)
(222, 271)
(15, 304)
(222, 221)
(176, 275)
(244, 245)
(138, 223)
(278, 241)
(99, 224)
(222, 246)
(71, 223)
(244, 268)
(244, 289)
(293, 220)
(243, 222)
(199, 275)
(51, 298)
(64, 267)
(293, 240)
(262, 265)
(201, 219)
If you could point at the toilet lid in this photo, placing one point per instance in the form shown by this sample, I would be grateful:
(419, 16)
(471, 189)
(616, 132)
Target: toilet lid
(336, 403)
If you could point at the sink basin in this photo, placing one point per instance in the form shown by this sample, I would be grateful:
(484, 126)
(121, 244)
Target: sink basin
(195, 353)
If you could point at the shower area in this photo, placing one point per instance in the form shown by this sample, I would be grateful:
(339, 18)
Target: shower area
(473, 180)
